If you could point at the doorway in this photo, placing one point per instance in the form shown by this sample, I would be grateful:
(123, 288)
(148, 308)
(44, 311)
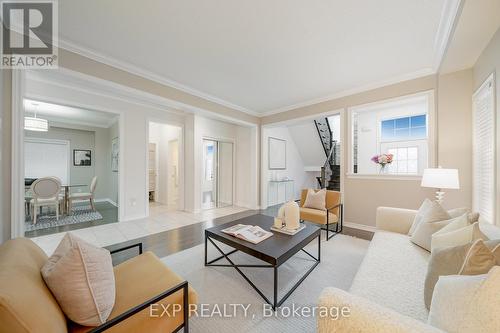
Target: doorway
(217, 185)
(163, 168)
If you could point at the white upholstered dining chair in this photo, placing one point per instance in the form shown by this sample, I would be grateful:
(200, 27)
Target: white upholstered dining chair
(45, 192)
(84, 195)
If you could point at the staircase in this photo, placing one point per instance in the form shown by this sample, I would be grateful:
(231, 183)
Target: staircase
(330, 172)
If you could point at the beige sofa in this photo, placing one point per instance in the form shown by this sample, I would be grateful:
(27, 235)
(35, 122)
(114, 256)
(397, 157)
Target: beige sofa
(387, 294)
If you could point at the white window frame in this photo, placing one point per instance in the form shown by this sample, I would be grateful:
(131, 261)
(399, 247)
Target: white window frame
(475, 150)
(431, 135)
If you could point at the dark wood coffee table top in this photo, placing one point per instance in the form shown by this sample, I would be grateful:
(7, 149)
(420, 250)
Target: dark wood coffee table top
(276, 249)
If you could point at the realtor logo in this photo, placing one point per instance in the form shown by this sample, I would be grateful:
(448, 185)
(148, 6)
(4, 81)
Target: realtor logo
(29, 34)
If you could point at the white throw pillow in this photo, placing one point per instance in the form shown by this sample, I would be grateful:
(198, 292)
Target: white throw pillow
(434, 219)
(450, 300)
(484, 306)
(81, 278)
(458, 237)
(456, 212)
(316, 200)
(420, 215)
(458, 222)
(467, 304)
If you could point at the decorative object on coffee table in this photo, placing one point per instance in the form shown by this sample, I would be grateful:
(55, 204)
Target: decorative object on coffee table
(290, 214)
(275, 251)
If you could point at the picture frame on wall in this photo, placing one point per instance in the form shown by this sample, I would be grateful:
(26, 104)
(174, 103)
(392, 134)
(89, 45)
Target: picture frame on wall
(82, 157)
(276, 154)
(115, 152)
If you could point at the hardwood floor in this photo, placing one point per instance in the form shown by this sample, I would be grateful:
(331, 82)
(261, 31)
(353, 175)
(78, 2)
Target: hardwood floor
(172, 241)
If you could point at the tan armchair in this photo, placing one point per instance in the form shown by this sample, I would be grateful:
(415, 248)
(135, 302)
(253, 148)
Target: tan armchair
(334, 208)
(27, 305)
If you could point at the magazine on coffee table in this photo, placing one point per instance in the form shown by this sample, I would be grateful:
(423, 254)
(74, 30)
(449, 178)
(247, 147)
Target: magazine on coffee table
(250, 233)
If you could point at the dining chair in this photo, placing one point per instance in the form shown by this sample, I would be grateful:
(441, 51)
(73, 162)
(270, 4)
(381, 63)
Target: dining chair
(84, 195)
(45, 192)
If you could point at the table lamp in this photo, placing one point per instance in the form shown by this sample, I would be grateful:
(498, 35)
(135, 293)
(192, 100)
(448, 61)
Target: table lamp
(441, 179)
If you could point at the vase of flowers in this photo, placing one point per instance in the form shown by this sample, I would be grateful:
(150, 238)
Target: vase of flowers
(383, 160)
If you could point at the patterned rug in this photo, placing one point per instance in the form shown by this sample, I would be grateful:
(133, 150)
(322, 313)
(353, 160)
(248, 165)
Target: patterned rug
(79, 214)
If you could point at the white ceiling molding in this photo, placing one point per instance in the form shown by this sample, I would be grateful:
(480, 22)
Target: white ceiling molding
(449, 19)
(94, 55)
(406, 77)
(77, 81)
(68, 78)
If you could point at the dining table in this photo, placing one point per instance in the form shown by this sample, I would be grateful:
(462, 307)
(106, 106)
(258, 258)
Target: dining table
(66, 188)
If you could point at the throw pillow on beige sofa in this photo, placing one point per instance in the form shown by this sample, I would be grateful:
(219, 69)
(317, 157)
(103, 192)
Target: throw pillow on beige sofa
(480, 259)
(467, 303)
(461, 236)
(447, 261)
(80, 276)
(434, 219)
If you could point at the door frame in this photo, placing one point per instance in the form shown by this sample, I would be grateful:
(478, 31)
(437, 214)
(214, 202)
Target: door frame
(17, 164)
(182, 192)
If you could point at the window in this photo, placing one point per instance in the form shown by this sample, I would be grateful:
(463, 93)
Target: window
(406, 128)
(398, 127)
(484, 151)
(405, 160)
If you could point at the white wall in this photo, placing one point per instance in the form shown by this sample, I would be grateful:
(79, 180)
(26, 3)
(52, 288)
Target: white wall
(294, 163)
(306, 139)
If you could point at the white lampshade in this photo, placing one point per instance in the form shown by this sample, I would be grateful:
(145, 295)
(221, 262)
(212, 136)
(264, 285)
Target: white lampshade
(440, 178)
(36, 124)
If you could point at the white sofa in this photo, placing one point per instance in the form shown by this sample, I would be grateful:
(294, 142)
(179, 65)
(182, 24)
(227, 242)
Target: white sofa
(387, 294)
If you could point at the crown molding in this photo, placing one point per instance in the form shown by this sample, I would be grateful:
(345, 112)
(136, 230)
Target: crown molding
(357, 90)
(449, 18)
(125, 66)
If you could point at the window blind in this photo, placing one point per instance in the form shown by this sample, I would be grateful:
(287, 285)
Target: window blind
(484, 151)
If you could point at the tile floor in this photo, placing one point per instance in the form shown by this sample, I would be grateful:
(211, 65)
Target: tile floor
(161, 219)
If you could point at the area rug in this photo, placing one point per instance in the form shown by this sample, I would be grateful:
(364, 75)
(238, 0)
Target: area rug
(223, 293)
(79, 214)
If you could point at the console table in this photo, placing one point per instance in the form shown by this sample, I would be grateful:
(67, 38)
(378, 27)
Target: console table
(280, 191)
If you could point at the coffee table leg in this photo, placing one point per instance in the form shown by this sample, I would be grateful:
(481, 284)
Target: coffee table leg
(319, 247)
(206, 241)
(275, 305)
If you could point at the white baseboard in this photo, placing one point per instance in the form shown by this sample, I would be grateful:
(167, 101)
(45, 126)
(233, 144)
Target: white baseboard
(107, 200)
(246, 205)
(360, 226)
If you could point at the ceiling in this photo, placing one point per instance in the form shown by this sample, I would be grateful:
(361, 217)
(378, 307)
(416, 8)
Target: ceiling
(478, 22)
(262, 56)
(69, 115)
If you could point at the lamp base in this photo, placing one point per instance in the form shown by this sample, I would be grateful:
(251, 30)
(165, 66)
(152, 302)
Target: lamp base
(440, 196)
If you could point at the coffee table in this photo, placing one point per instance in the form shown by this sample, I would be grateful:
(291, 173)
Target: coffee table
(274, 251)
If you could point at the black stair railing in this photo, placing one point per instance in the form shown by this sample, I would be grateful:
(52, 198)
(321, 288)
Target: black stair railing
(330, 169)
